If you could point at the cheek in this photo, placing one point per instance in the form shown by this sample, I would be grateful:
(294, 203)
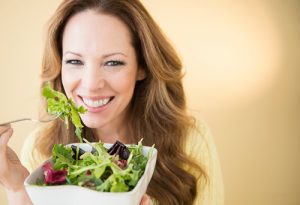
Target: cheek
(68, 81)
(124, 84)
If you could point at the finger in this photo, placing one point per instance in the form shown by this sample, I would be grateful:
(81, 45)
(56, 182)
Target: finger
(4, 128)
(146, 200)
(4, 138)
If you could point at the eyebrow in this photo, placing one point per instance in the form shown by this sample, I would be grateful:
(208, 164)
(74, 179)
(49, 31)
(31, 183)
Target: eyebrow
(112, 54)
(70, 52)
(105, 55)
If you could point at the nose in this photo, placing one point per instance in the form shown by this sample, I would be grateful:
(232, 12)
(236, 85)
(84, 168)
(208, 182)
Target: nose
(92, 78)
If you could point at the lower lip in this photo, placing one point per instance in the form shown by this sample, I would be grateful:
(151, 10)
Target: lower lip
(97, 109)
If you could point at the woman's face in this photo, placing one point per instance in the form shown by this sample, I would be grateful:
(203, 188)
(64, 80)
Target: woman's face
(99, 69)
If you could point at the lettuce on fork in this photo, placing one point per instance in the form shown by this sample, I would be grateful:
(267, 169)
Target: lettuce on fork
(59, 105)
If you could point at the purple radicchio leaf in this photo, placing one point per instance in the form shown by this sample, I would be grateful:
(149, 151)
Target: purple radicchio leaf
(53, 177)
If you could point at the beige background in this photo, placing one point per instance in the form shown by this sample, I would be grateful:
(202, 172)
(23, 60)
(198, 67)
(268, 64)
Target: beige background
(242, 76)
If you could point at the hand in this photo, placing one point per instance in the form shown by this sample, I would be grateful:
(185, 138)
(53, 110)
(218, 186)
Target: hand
(146, 200)
(12, 172)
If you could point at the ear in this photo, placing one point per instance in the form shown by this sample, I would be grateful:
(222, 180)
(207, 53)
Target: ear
(141, 74)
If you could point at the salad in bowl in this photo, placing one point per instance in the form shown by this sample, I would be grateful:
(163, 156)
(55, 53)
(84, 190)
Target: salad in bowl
(84, 172)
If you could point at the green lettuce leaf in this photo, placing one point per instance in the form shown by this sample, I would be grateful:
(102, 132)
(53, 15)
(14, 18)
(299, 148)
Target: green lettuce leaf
(59, 105)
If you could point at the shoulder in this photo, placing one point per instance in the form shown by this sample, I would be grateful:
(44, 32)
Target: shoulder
(29, 156)
(200, 146)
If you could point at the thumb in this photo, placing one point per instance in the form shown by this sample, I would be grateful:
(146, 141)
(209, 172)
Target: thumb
(146, 200)
(4, 138)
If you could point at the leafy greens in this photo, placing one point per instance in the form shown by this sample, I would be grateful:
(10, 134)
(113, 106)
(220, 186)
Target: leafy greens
(97, 170)
(60, 105)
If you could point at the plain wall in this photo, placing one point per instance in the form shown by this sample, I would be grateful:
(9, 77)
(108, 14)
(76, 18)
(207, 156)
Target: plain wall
(242, 76)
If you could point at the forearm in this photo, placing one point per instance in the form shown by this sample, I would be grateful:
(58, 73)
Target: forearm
(18, 197)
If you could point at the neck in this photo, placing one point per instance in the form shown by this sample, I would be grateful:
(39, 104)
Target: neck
(110, 136)
(116, 130)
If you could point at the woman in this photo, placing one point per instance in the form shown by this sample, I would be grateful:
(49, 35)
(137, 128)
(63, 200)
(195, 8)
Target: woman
(111, 57)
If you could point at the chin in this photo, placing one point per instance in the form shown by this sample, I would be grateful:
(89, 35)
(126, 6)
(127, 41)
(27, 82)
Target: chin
(91, 123)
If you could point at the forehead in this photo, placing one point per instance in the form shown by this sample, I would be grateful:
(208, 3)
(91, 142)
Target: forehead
(97, 30)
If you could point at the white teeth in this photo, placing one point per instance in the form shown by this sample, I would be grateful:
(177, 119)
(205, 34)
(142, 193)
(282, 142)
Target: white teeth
(96, 103)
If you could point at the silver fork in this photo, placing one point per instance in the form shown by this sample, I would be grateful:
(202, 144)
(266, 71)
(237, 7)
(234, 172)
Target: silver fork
(30, 119)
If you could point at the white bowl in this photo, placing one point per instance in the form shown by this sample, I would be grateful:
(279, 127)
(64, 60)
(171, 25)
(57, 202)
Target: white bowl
(71, 194)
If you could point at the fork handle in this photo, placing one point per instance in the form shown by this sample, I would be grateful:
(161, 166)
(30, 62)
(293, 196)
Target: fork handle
(13, 121)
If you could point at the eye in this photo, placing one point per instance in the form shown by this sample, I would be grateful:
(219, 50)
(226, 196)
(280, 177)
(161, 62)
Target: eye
(114, 63)
(73, 62)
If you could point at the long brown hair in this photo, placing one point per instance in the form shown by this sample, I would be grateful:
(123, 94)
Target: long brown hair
(158, 107)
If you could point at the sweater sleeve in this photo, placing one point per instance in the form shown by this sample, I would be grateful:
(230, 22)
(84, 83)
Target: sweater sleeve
(201, 147)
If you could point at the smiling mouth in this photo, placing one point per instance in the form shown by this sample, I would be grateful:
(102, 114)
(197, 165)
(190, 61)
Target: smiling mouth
(96, 103)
